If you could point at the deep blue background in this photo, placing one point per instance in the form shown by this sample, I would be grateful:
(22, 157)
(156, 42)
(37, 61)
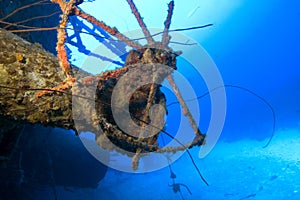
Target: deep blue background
(259, 48)
(254, 43)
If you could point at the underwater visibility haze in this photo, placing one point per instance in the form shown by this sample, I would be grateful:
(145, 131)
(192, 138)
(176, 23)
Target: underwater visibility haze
(239, 76)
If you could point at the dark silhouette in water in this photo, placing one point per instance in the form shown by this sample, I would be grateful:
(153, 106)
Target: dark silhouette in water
(46, 158)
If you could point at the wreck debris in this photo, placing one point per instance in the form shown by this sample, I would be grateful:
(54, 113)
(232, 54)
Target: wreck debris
(150, 54)
(67, 9)
(166, 37)
(141, 22)
(45, 95)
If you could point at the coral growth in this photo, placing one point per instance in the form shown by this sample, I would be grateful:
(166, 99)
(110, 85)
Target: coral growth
(153, 54)
(149, 58)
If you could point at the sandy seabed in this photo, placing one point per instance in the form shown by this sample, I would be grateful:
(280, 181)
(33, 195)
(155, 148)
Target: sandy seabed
(234, 170)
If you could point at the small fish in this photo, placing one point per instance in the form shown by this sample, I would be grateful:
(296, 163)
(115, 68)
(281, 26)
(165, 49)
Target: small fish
(192, 12)
(273, 177)
(248, 196)
(68, 189)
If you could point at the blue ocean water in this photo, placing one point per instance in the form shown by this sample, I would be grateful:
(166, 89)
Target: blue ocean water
(255, 46)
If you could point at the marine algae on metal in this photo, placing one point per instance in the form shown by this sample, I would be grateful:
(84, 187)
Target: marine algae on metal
(25, 69)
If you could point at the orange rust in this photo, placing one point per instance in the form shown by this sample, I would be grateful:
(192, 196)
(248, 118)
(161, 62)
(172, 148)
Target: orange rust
(20, 57)
(66, 84)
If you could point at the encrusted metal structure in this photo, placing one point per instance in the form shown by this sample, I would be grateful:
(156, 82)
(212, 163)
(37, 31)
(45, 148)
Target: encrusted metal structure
(44, 93)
